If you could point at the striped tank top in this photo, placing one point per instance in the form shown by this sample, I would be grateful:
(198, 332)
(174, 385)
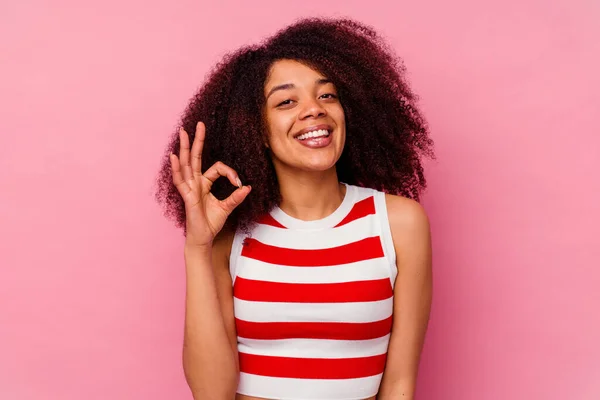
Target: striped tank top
(313, 301)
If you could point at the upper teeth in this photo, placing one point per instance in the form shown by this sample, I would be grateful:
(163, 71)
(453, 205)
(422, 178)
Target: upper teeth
(313, 134)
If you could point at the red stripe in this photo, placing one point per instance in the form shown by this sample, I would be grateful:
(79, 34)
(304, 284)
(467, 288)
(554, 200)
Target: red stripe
(312, 368)
(313, 330)
(364, 249)
(343, 292)
(360, 209)
(269, 220)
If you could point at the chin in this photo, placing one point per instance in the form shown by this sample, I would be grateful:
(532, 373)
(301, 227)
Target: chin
(320, 165)
(308, 161)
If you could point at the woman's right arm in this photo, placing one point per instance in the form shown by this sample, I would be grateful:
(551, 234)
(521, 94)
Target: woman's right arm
(210, 358)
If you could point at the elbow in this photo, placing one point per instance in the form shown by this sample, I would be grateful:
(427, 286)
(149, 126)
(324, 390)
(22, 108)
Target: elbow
(212, 390)
(210, 382)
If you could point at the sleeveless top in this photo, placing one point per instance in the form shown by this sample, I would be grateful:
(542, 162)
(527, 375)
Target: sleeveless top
(313, 301)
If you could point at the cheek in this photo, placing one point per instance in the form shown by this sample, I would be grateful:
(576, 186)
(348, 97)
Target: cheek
(340, 116)
(336, 113)
(340, 119)
(279, 127)
(274, 136)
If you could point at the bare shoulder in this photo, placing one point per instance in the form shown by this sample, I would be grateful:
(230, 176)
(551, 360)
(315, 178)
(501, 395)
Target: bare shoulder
(406, 215)
(411, 235)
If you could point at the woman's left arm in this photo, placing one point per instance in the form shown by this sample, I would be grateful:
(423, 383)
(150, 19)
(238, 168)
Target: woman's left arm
(412, 297)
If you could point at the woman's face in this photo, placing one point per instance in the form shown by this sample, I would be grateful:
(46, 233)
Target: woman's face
(304, 116)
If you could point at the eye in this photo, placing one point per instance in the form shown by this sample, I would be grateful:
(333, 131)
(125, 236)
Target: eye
(285, 103)
(329, 96)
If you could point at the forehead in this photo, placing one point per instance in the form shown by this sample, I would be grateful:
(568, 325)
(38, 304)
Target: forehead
(291, 71)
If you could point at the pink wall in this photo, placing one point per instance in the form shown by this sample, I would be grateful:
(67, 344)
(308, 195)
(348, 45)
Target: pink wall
(91, 277)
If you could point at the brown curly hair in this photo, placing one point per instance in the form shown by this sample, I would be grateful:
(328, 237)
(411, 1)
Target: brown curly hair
(386, 135)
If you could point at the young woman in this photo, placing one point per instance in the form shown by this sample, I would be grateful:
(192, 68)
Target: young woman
(309, 266)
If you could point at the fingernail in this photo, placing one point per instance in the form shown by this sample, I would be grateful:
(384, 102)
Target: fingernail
(239, 183)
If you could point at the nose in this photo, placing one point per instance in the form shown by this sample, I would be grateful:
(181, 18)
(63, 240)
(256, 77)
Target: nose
(312, 109)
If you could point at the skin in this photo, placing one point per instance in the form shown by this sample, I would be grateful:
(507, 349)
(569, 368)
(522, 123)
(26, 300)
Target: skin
(298, 97)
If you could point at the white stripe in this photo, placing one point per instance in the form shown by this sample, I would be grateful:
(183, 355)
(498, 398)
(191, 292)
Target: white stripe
(258, 311)
(376, 268)
(386, 235)
(308, 389)
(314, 348)
(322, 239)
(234, 255)
(362, 193)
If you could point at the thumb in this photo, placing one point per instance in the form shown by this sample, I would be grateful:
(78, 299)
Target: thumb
(235, 199)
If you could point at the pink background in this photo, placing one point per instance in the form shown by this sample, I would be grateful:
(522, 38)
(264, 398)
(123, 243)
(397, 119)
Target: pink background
(91, 274)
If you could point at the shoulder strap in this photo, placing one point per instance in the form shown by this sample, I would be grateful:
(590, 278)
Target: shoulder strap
(386, 233)
(236, 251)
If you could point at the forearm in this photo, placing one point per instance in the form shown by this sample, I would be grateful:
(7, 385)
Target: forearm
(209, 361)
(400, 390)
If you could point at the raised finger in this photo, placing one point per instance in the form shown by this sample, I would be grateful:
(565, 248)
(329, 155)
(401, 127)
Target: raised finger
(219, 169)
(178, 180)
(184, 155)
(197, 147)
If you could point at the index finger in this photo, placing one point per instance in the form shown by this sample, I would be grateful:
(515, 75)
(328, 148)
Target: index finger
(197, 147)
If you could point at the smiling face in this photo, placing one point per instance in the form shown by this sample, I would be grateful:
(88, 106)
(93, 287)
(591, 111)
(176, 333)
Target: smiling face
(304, 116)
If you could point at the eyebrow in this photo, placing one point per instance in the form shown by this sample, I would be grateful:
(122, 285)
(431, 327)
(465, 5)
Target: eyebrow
(287, 86)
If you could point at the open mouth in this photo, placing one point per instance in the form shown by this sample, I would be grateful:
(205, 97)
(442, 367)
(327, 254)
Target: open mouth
(316, 134)
(316, 137)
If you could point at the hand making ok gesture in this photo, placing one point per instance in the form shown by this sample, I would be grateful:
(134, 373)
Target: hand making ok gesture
(205, 214)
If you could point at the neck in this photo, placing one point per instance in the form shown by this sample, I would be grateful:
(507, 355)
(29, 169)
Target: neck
(310, 196)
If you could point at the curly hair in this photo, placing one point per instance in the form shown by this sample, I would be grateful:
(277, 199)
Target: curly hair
(386, 134)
